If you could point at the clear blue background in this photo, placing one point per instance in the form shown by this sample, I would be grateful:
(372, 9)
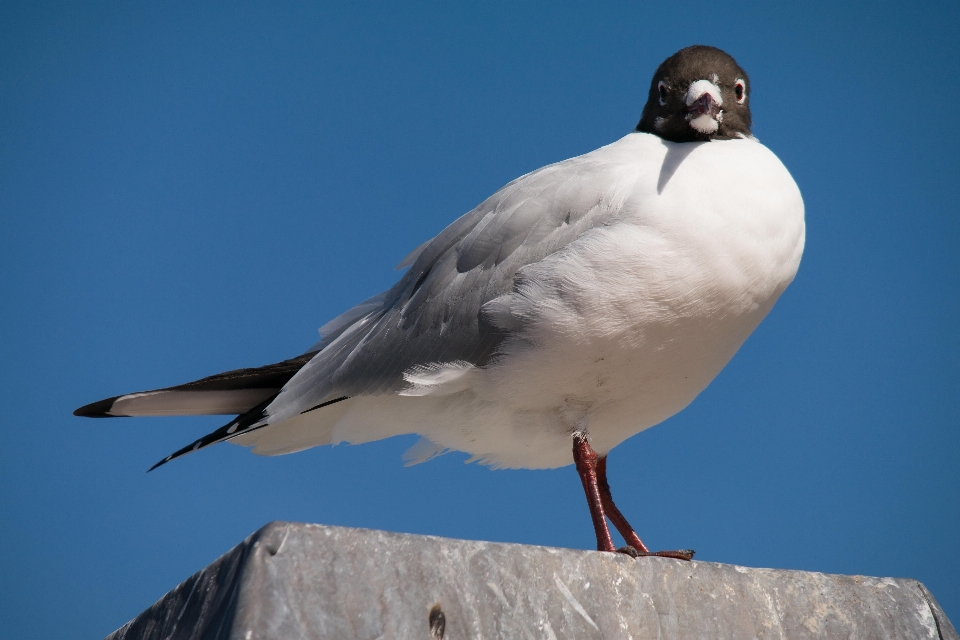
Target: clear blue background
(186, 190)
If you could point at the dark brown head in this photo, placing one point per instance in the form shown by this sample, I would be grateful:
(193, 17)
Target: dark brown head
(699, 93)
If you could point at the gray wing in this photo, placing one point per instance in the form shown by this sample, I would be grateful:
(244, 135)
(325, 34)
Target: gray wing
(434, 313)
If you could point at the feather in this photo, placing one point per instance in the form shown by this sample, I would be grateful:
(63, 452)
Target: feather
(230, 392)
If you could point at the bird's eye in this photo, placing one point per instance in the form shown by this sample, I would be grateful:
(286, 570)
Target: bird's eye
(662, 90)
(740, 91)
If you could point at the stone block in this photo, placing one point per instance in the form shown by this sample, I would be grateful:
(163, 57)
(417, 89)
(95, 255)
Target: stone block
(306, 581)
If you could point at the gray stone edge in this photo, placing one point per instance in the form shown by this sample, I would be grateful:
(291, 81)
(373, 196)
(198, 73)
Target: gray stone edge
(172, 616)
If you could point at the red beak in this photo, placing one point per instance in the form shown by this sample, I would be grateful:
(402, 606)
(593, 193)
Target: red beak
(704, 105)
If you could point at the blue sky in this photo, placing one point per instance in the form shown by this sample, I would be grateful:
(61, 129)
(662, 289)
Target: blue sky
(186, 189)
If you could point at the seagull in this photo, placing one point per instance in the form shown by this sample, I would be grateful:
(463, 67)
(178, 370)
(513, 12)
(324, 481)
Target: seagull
(575, 307)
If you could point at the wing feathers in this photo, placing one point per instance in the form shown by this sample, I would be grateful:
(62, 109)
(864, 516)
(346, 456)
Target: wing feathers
(230, 392)
(249, 421)
(235, 427)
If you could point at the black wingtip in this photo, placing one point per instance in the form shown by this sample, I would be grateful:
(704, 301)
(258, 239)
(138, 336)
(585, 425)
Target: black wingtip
(98, 409)
(190, 448)
(239, 425)
(161, 463)
(236, 427)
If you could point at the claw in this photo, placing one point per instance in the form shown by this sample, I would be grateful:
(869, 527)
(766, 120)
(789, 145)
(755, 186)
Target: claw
(680, 554)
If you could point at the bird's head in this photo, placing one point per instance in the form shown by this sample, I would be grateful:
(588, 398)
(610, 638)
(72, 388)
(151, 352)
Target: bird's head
(699, 93)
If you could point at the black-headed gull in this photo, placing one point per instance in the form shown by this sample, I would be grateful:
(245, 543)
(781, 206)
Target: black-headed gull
(575, 307)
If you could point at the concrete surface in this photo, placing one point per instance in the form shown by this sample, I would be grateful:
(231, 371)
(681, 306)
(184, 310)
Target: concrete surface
(291, 580)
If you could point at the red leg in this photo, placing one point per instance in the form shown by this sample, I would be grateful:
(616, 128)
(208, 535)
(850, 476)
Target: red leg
(619, 521)
(585, 459)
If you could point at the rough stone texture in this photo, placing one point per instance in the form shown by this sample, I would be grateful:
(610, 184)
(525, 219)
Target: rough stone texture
(298, 581)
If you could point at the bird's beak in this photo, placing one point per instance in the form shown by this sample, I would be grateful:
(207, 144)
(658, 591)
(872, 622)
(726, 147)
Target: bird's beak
(704, 102)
